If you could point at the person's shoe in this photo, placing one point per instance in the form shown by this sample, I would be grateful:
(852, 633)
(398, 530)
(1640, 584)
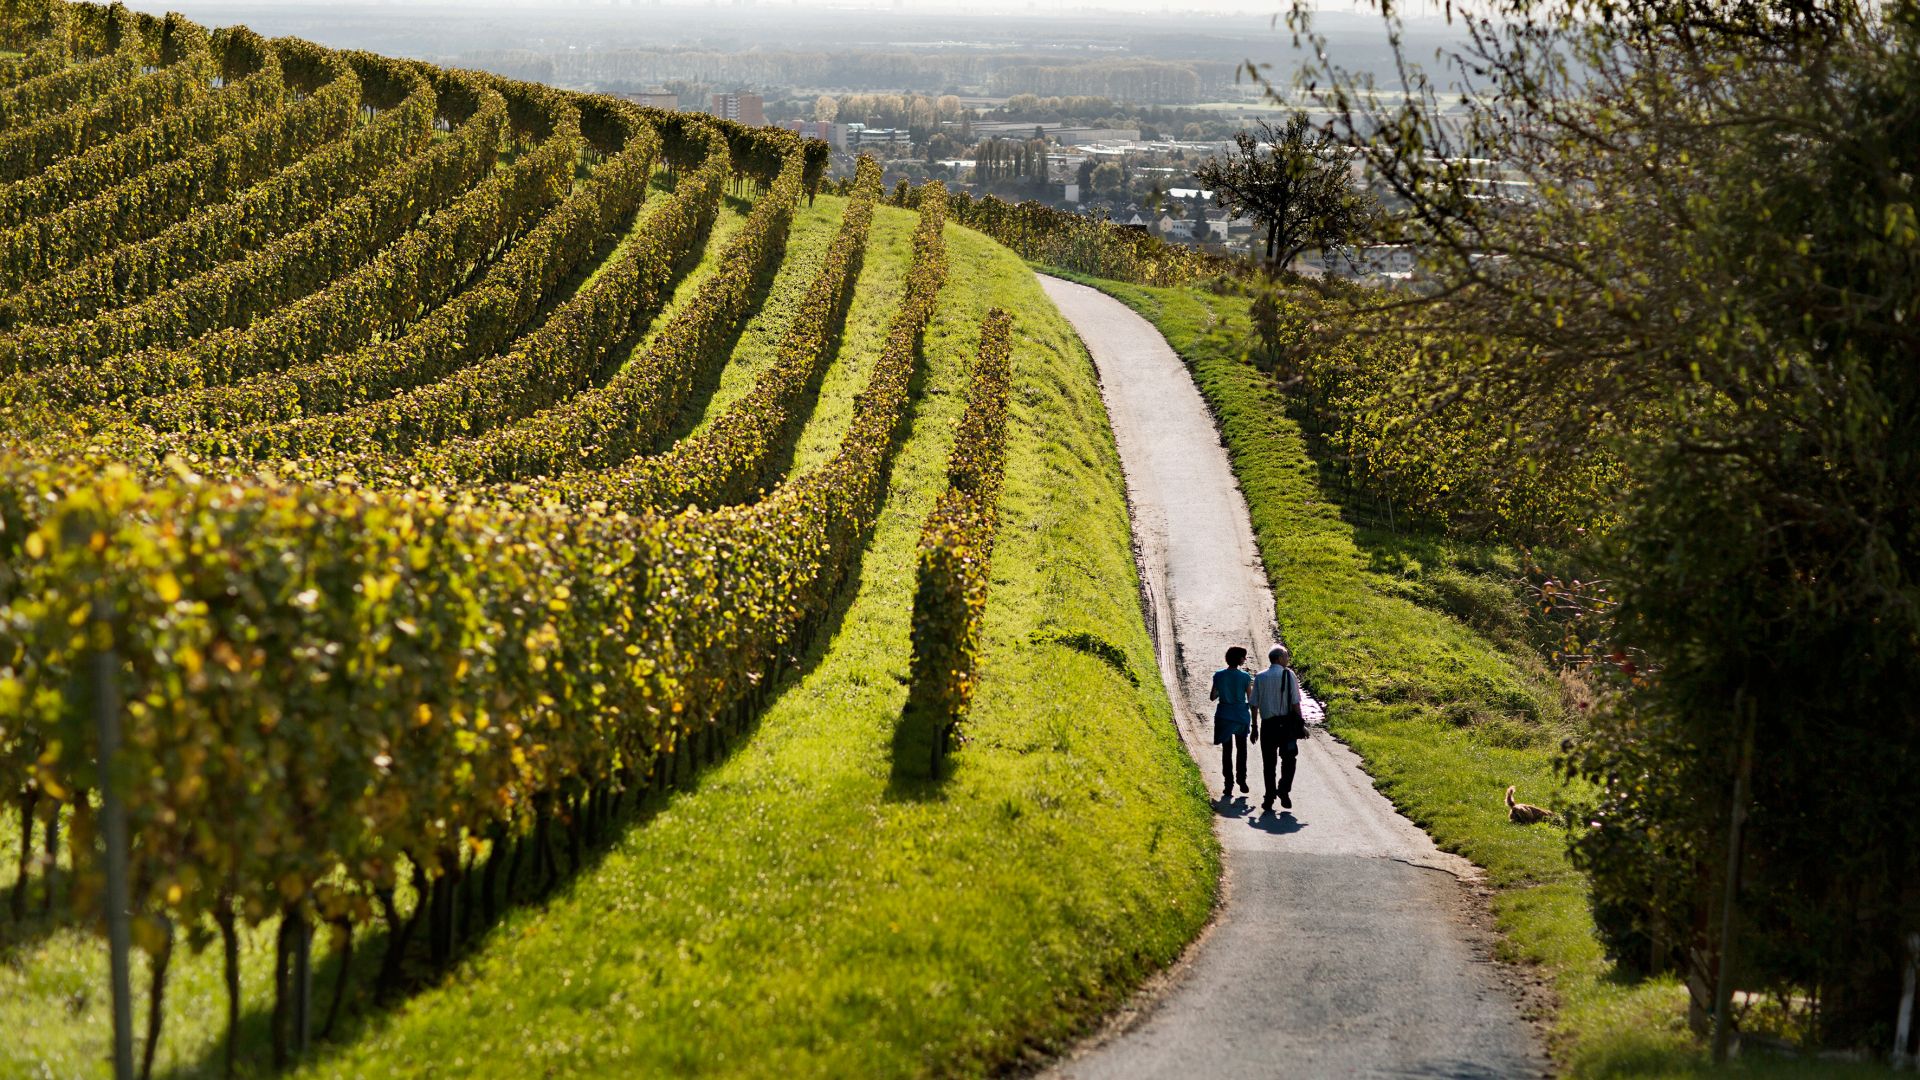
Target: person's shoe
(1226, 792)
(1266, 805)
(1286, 801)
(1243, 787)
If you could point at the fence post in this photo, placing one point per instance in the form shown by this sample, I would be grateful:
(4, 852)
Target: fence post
(302, 983)
(1903, 1027)
(113, 829)
(1743, 778)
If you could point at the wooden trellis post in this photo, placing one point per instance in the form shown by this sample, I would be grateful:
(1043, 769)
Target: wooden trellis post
(113, 829)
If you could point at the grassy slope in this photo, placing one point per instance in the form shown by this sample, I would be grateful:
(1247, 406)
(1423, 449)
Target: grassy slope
(792, 914)
(883, 281)
(733, 214)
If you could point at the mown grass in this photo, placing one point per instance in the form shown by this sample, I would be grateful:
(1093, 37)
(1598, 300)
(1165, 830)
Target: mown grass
(792, 912)
(758, 345)
(882, 283)
(1444, 717)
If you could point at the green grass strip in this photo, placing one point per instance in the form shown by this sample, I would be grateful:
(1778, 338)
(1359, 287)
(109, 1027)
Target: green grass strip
(882, 283)
(758, 346)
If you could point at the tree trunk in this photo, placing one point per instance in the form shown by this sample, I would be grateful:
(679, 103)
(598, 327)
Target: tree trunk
(156, 1003)
(340, 980)
(230, 950)
(19, 900)
(52, 851)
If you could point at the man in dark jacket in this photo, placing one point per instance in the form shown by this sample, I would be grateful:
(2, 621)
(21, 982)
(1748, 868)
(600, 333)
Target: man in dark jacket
(1278, 724)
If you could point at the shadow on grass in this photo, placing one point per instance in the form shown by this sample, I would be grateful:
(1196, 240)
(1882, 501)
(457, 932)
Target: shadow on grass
(39, 922)
(33, 905)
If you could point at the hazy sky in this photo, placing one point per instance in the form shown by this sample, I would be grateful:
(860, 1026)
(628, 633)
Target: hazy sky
(1410, 8)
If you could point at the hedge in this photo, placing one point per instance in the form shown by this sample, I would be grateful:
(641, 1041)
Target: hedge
(185, 73)
(153, 200)
(281, 270)
(473, 324)
(253, 89)
(122, 51)
(225, 230)
(607, 424)
(1094, 246)
(956, 549)
(561, 355)
(730, 458)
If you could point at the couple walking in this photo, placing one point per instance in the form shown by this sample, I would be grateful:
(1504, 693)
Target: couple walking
(1267, 706)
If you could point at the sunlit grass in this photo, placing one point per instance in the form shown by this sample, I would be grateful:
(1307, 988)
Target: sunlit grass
(883, 281)
(814, 228)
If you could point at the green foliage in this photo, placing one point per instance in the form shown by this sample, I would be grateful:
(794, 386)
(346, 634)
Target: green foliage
(1294, 181)
(474, 323)
(956, 551)
(255, 87)
(187, 67)
(149, 202)
(289, 266)
(629, 414)
(1089, 246)
(1427, 456)
(342, 311)
(119, 52)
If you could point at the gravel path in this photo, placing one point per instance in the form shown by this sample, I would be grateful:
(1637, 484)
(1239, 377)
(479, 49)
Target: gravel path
(1347, 944)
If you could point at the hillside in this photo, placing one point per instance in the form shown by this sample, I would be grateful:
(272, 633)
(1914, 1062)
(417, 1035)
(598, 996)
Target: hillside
(493, 519)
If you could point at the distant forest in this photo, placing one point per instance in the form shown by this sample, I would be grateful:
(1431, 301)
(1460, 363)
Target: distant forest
(1165, 82)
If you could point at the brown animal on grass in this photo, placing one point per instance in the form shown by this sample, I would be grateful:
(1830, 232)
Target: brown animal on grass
(1525, 813)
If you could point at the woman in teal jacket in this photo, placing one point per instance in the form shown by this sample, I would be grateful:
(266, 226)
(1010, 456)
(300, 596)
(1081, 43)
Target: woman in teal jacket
(1232, 717)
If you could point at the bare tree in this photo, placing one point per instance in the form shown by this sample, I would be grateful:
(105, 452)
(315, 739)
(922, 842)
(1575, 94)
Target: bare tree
(1294, 181)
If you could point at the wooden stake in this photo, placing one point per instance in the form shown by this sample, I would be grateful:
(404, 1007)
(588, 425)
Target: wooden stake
(1723, 983)
(113, 819)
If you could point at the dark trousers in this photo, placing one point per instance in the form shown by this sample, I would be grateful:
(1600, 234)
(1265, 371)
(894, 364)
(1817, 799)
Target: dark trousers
(1288, 752)
(1226, 759)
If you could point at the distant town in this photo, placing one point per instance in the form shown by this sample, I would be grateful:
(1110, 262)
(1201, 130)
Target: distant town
(1070, 153)
(1107, 117)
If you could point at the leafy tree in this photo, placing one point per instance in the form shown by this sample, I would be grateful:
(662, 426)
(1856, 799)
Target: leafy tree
(1109, 179)
(826, 107)
(1685, 234)
(1293, 180)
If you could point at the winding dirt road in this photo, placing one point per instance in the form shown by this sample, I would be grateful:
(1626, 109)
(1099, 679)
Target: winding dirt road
(1346, 943)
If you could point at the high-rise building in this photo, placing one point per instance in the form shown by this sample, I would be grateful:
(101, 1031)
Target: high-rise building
(748, 109)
